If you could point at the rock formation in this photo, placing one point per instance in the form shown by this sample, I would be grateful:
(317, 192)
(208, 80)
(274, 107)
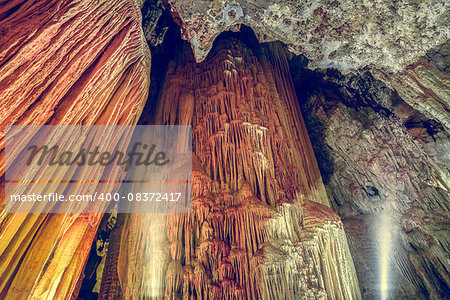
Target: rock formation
(424, 87)
(346, 35)
(346, 199)
(260, 225)
(381, 180)
(63, 62)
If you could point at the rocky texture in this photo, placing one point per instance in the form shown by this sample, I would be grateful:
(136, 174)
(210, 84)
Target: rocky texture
(339, 34)
(425, 125)
(394, 199)
(154, 24)
(440, 57)
(63, 62)
(110, 286)
(405, 43)
(254, 231)
(260, 226)
(424, 87)
(95, 265)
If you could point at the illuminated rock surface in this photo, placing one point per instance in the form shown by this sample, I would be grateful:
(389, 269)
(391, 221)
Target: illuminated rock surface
(375, 155)
(332, 34)
(262, 223)
(260, 226)
(82, 62)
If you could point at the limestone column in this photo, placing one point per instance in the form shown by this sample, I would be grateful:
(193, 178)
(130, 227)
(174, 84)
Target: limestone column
(260, 227)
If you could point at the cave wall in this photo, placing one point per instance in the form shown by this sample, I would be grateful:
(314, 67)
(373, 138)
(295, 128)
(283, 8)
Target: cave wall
(381, 177)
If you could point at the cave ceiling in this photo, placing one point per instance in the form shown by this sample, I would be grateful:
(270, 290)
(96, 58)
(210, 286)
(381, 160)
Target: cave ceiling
(321, 146)
(341, 34)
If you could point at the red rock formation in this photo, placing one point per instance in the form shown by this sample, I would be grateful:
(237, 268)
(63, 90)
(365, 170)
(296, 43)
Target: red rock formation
(63, 62)
(260, 226)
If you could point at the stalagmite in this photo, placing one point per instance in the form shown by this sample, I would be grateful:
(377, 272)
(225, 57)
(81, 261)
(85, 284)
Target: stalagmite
(260, 226)
(63, 62)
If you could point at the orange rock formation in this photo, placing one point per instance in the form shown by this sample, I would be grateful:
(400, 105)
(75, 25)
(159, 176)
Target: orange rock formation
(63, 62)
(260, 227)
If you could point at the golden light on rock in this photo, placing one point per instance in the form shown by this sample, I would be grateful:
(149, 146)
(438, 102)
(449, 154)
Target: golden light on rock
(306, 183)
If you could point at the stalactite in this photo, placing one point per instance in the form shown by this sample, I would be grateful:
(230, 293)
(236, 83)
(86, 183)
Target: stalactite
(260, 227)
(63, 63)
